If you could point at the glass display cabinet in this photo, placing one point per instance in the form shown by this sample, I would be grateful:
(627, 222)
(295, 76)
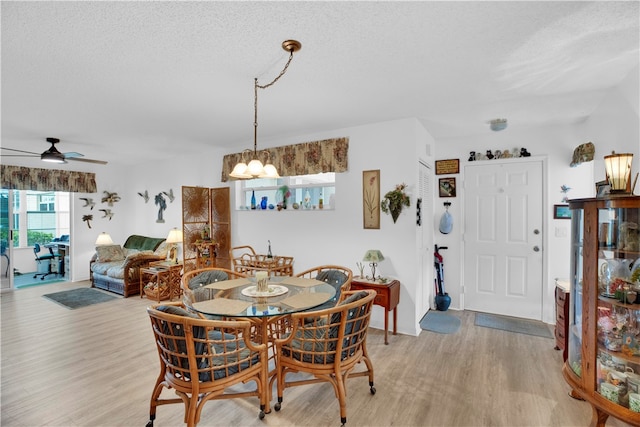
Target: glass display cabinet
(603, 364)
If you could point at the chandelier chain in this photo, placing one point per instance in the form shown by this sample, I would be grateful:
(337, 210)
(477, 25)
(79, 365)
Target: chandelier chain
(256, 86)
(284, 70)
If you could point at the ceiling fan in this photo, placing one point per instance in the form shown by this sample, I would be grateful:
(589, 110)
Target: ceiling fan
(53, 155)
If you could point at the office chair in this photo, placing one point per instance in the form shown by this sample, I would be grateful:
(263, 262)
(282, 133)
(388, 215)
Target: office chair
(3, 252)
(48, 258)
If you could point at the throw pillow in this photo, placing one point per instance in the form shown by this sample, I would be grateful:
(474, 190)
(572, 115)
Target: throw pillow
(162, 250)
(109, 253)
(207, 277)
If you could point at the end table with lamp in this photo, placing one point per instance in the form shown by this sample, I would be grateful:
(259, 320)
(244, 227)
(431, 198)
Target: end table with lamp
(388, 291)
(161, 280)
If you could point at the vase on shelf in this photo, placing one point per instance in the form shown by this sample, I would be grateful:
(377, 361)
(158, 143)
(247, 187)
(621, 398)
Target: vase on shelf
(263, 203)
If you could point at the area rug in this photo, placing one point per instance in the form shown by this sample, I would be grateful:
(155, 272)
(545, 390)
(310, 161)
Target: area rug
(80, 297)
(513, 324)
(27, 280)
(440, 322)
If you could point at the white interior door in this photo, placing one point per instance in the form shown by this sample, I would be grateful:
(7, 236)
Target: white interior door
(503, 238)
(425, 239)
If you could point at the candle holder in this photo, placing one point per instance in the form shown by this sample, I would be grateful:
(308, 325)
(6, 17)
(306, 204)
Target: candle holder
(262, 280)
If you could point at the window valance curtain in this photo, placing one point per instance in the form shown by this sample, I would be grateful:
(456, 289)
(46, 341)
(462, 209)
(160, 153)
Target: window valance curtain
(329, 155)
(37, 179)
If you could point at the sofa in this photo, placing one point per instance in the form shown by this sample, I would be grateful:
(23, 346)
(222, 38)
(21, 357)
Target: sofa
(116, 268)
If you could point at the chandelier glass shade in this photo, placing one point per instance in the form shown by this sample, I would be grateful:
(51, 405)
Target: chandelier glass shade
(255, 168)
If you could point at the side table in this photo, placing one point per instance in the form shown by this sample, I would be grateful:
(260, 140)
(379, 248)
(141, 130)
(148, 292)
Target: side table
(205, 253)
(159, 272)
(388, 296)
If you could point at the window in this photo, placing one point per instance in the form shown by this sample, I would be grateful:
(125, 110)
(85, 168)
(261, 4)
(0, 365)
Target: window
(39, 216)
(306, 191)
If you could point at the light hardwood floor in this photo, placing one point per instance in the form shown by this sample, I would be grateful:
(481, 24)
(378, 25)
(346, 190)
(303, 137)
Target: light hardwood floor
(96, 366)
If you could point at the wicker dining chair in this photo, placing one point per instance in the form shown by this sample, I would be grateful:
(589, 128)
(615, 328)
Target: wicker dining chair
(328, 347)
(241, 257)
(201, 358)
(337, 276)
(193, 281)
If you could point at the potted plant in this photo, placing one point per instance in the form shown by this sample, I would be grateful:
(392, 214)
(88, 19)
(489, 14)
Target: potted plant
(394, 200)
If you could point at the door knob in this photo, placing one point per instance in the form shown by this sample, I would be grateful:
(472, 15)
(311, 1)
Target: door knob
(536, 249)
(536, 231)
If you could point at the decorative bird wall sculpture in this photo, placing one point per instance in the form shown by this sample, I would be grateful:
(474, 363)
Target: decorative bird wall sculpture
(88, 202)
(144, 195)
(169, 195)
(110, 198)
(107, 213)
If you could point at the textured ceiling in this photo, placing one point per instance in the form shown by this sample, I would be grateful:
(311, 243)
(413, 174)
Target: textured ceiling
(121, 80)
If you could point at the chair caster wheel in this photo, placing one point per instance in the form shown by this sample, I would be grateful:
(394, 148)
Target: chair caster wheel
(261, 415)
(372, 390)
(149, 424)
(277, 406)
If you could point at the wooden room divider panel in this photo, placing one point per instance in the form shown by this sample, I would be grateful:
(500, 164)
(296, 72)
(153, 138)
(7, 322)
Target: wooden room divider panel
(206, 216)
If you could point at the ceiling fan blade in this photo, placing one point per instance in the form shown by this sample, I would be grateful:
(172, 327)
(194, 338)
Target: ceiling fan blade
(53, 154)
(80, 159)
(19, 151)
(19, 155)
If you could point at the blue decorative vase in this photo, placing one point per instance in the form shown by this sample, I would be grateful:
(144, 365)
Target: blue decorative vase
(443, 302)
(263, 203)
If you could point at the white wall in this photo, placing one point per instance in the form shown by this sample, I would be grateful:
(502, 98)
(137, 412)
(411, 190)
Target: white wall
(394, 147)
(613, 126)
(337, 237)
(312, 237)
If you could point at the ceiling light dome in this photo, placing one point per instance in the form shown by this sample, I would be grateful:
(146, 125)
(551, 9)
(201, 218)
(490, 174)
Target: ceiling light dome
(498, 124)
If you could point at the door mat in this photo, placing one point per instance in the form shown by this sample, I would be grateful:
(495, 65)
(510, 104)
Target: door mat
(513, 324)
(440, 322)
(80, 297)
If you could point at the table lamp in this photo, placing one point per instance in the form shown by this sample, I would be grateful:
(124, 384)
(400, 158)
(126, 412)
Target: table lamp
(104, 239)
(373, 256)
(618, 168)
(173, 239)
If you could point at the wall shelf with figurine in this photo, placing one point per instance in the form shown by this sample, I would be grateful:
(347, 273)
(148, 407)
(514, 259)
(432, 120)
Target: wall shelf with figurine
(498, 154)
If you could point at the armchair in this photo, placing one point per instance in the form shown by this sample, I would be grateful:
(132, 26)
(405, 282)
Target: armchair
(337, 276)
(201, 359)
(327, 344)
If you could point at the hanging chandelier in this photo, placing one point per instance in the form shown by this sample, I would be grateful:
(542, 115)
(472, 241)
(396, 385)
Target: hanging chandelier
(255, 168)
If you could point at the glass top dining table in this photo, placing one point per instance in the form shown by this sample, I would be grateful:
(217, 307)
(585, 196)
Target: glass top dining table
(240, 298)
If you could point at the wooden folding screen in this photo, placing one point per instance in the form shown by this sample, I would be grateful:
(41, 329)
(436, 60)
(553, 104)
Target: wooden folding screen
(206, 212)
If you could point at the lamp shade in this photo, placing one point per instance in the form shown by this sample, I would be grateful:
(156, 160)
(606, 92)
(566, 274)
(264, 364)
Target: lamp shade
(240, 171)
(104, 239)
(270, 171)
(618, 169)
(373, 255)
(175, 236)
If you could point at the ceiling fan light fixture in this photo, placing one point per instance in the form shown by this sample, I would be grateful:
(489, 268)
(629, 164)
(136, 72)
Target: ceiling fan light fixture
(255, 168)
(497, 125)
(52, 156)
